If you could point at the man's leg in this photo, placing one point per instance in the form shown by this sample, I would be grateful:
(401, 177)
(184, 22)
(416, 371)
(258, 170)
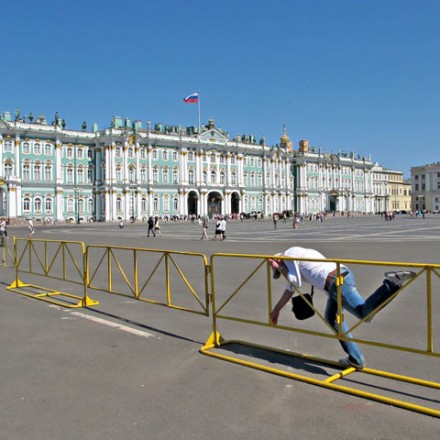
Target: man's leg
(351, 348)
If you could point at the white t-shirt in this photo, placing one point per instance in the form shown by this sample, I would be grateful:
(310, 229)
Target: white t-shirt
(312, 272)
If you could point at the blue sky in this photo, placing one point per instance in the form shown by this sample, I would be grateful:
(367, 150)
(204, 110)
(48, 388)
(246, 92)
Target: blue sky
(354, 75)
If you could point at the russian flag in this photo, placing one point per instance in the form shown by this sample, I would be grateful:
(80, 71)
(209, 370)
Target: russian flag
(191, 99)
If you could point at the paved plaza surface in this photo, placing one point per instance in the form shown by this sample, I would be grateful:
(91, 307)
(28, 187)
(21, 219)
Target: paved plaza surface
(131, 370)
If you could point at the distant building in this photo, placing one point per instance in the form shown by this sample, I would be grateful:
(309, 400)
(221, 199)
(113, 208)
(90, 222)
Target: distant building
(391, 191)
(124, 171)
(425, 181)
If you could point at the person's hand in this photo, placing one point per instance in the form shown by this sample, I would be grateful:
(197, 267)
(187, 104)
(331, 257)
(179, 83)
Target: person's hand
(274, 263)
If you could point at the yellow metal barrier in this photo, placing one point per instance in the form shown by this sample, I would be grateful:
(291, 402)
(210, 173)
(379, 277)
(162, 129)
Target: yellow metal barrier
(6, 252)
(60, 260)
(257, 273)
(130, 271)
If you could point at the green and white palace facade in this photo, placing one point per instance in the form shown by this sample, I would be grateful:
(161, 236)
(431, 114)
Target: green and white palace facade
(130, 171)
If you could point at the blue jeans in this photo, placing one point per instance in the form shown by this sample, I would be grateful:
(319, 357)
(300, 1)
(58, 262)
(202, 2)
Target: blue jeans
(357, 306)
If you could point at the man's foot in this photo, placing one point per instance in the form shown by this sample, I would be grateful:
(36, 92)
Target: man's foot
(347, 363)
(400, 277)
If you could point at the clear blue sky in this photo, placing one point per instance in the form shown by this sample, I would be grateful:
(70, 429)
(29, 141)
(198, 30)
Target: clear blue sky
(354, 75)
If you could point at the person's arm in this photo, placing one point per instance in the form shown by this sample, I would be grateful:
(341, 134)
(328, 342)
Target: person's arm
(280, 304)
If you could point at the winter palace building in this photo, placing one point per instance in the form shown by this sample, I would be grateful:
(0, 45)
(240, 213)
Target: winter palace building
(127, 170)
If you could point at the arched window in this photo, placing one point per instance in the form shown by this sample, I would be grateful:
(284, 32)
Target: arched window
(118, 152)
(143, 204)
(213, 176)
(119, 204)
(26, 148)
(143, 175)
(156, 203)
(233, 178)
(69, 152)
(165, 175)
(118, 174)
(90, 173)
(48, 172)
(26, 172)
(166, 203)
(37, 148)
(80, 153)
(81, 175)
(191, 176)
(155, 174)
(37, 205)
(90, 205)
(69, 174)
(70, 203)
(48, 204)
(37, 172)
(131, 174)
(222, 177)
(131, 152)
(205, 177)
(175, 176)
(175, 204)
(143, 153)
(154, 154)
(213, 158)
(165, 155)
(26, 204)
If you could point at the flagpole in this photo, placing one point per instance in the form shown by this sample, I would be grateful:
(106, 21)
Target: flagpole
(198, 103)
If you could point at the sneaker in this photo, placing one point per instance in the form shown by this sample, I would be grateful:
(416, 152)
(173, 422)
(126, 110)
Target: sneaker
(347, 363)
(401, 277)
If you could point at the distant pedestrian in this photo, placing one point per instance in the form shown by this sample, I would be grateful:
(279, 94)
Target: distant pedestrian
(121, 225)
(3, 231)
(31, 228)
(157, 226)
(151, 226)
(295, 221)
(223, 227)
(204, 224)
(275, 221)
(218, 229)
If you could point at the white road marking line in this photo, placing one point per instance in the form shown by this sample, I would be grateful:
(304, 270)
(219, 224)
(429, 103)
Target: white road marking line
(113, 324)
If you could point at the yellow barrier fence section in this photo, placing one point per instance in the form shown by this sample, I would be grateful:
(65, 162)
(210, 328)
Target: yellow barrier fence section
(250, 301)
(60, 260)
(173, 279)
(7, 251)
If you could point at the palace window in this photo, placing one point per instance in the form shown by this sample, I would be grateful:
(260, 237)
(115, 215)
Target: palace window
(155, 175)
(48, 149)
(26, 172)
(165, 176)
(69, 152)
(80, 153)
(48, 204)
(37, 172)
(175, 176)
(175, 204)
(9, 147)
(191, 177)
(26, 148)
(175, 157)
(119, 204)
(213, 177)
(165, 155)
(37, 148)
(47, 172)
(37, 204)
(26, 204)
